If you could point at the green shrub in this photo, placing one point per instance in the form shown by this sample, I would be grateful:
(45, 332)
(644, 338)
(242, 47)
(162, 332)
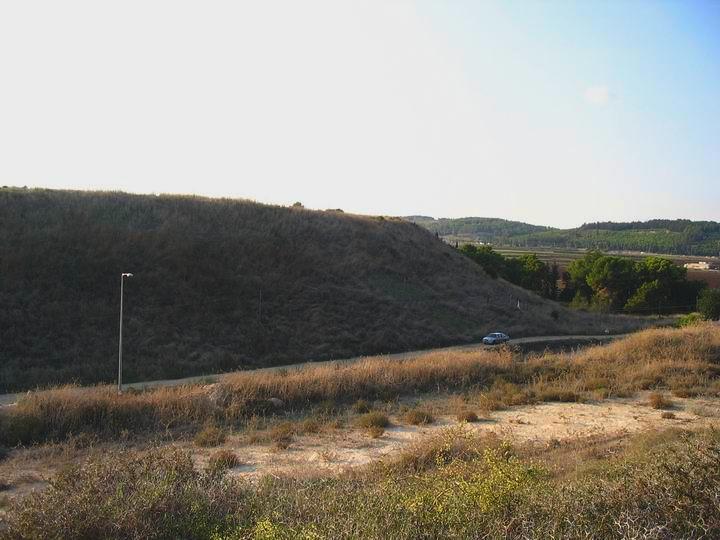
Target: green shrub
(709, 304)
(691, 319)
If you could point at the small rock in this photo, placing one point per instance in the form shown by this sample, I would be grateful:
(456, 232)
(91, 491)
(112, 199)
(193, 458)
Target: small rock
(277, 403)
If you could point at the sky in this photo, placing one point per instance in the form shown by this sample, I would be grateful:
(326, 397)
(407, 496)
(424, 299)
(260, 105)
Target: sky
(554, 113)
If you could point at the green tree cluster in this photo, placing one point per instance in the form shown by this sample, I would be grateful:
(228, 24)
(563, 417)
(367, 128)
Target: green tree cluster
(653, 285)
(604, 282)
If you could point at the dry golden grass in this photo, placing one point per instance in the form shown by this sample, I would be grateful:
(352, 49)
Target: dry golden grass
(223, 460)
(657, 400)
(685, 358)
(417, 417)
(210, 436)
(375, 432)
(467, 416)
(373, 420)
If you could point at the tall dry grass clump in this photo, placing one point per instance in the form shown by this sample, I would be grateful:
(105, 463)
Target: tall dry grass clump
(686, 359)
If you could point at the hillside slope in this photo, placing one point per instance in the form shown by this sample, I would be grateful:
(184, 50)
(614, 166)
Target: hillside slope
(227, 284)
(679, 236)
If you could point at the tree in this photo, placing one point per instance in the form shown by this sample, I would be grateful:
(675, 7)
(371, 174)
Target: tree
(650, 296)
(613, 280)
(709, 304)
(579, 270)
(492, 262)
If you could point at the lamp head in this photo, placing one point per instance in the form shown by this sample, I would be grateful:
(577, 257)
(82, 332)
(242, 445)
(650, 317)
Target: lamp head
(126, 274)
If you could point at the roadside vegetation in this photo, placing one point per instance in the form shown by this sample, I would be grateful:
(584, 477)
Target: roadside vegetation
(682, 361)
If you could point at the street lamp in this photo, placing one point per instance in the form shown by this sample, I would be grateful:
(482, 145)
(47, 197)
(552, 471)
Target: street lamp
(122, 283)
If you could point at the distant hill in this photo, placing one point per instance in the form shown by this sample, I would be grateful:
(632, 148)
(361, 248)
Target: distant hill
(680, 236)
(481, 229)
(226, 284)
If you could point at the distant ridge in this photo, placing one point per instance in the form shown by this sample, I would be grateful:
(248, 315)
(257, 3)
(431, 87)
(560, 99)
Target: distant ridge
(676, 236)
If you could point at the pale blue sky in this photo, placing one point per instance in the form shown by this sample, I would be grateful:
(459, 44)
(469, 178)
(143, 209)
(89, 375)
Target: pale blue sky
(553, 113)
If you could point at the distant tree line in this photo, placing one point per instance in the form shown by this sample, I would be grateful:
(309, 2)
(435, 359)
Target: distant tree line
(678, 236)
(599, 281)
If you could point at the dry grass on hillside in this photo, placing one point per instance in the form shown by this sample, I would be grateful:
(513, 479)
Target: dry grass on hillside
(682, 360)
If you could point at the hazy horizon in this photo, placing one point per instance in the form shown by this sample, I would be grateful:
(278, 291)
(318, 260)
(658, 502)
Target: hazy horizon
(553, 114)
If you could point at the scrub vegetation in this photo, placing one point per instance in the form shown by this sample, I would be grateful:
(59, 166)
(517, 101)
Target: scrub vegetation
(455, 486)
(683, 361)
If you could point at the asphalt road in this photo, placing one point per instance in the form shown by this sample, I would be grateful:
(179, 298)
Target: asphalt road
(11, 399)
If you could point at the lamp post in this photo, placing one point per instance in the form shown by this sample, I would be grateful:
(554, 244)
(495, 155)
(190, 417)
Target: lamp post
(122, 283)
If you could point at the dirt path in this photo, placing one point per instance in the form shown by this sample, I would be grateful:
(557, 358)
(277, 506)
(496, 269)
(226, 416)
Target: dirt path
(10, 399)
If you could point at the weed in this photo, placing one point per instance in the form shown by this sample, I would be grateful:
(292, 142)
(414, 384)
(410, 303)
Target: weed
(210, 435)
(467, 416)
(375, 432)
(417, 417)
(311, 425)
(373, 420)
(361, 406)
(223, 460)
(658, 400)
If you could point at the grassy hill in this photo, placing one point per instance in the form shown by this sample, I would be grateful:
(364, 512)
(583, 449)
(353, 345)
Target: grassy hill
(226, 284)
(680, 236)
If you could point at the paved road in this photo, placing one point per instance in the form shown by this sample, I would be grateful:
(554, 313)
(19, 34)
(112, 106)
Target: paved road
(11, 399)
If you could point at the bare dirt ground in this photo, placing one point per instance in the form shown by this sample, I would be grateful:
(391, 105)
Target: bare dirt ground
(542, 423)
(338, 449)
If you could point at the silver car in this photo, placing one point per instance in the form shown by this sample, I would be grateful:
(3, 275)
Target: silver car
(495, 338)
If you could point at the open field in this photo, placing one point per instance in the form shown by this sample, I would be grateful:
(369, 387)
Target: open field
(370, 441)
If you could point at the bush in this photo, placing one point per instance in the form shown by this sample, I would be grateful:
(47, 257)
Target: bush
(709, 304)
(223, 460)
(691, 319)
(417, 417)
(667, 415)
(659, 401)
(467, 416)
(361, 406)
(282, 434)
(210, 436)
(311, 425)
(128, 495)
(375, 432)
(373, 419)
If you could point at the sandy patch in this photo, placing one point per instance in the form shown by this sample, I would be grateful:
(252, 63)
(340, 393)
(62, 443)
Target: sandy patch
(542, 423)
